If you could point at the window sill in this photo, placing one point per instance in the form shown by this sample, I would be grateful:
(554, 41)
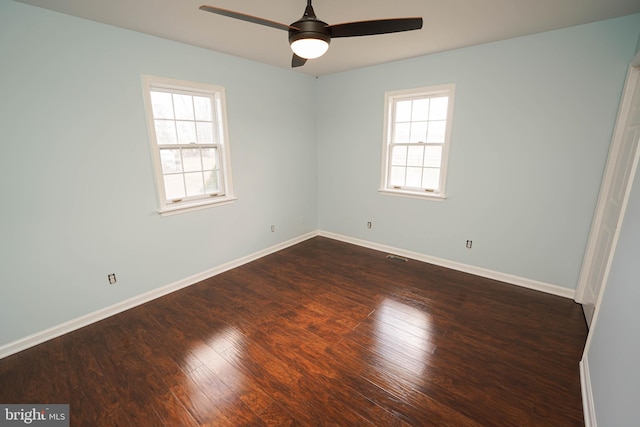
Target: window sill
(436, 197)
(195, 206)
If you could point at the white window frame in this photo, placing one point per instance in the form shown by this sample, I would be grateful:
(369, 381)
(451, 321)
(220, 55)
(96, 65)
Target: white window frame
(225, 193)
(391, 98)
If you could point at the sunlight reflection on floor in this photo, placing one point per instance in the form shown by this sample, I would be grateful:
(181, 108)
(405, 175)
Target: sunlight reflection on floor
(403, 337)
(215, 380)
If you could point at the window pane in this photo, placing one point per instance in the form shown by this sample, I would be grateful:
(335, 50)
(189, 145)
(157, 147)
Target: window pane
(399, 155)
(431, 178)
(171, 161)
(211, 182)
(418, 132)
(183, 105)
(161, 105)
(397, 175)
(415, 155)
(438, 108)
(205, 132)
(191, 160)
(186, 132)
(209, 159)
(433, 156)
(165, 131)
(420, 111)
(414, 177)
(194, 183)
(436, 131)
(203, 108)
(403, 111)
(401, 132)
(174, 186)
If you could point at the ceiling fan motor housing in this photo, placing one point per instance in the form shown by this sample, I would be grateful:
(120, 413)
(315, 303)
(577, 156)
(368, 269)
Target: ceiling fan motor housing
(309, 29)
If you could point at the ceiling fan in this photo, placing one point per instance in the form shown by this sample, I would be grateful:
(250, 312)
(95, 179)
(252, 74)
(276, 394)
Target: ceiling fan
(310, 37)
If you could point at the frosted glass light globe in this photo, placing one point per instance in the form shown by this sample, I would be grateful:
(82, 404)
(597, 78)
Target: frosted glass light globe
(309, 48)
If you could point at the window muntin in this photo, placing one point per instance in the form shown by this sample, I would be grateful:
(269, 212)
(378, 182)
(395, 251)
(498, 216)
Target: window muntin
(417, 131)
(187, 126)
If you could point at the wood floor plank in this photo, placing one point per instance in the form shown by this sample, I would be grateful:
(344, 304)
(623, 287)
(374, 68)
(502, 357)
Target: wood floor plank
(320, 333)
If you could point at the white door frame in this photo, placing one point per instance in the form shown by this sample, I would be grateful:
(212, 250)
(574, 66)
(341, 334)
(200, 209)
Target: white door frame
(633, 79)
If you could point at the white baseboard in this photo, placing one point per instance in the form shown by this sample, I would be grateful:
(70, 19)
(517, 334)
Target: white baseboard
(82, 321)
(588, 407)
(478, 271)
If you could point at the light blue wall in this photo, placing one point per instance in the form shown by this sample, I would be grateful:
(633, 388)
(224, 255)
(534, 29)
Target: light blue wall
(533, 120)
(78, 198)
(614, 350)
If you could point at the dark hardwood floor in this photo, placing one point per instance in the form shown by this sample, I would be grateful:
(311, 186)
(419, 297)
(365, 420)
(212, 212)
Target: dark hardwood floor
(322, 333)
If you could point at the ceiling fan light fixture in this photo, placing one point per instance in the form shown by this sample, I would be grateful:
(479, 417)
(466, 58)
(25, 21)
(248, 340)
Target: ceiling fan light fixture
(309, 48)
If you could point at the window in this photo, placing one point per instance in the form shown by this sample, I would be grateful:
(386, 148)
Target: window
(187, 129)
(416, 141)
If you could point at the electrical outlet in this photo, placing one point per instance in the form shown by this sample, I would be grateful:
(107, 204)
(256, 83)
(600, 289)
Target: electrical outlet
(112, 278)
(469, 244)
(368, 224)
(273, 228)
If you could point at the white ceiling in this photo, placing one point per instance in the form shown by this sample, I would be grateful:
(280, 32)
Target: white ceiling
(448, 24)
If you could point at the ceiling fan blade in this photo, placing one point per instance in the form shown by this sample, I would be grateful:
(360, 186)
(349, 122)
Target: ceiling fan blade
(297, 61)
(378, 26)
(247, 18)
